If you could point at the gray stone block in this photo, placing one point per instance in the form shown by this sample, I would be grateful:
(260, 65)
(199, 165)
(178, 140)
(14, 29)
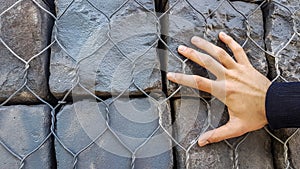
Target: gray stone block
(185, 22)
(133, 121)
(279, 30)
(192, 120)
(110, 64)
(22, 130)
(294, 150)
(26, 29)
(292, 145)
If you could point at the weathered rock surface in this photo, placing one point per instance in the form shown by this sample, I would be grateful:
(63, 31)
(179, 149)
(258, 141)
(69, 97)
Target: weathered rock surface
(133, 121)
(293, 148)
(105, 66)
(279, 30)
(22, 130)
(185, 22)
(26, 29)
(192, 120)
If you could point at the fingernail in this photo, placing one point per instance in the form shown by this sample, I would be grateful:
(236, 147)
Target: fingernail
(203, 143)
(181, 48)
(170, 75)
(223, 34)
(195, 39)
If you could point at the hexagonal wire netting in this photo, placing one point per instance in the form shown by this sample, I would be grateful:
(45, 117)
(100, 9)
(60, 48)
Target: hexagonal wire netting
(273, 55)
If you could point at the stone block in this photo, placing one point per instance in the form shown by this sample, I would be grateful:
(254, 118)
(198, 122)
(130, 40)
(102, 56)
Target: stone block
(294, 150)
(192, 119)
(22, 130)
(206, 19)
(279, 41)
(108, 47)
(25, 29)
(131, 121)
(292, 135)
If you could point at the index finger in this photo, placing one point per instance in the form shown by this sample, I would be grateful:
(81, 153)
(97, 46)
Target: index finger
(218, 53)
(203, 60)
(193, 81)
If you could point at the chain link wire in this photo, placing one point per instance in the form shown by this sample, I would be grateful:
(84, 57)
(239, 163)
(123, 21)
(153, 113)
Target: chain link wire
(159, 103)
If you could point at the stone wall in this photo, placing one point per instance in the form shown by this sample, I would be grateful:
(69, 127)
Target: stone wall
(83, 83)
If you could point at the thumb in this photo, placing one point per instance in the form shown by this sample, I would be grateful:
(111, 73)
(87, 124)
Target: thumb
(219, 134)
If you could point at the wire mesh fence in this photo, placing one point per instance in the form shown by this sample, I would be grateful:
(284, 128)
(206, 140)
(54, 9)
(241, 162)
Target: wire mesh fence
(109, 60)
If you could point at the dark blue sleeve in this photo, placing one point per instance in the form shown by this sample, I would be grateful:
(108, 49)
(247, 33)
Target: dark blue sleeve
(283, 105)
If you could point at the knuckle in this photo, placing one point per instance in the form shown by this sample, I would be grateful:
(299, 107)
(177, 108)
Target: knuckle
(214, 139)
(198, 81)
(241, 68)
(230, 39)
(192, 52)
(207, 61)
(221, 52)
(230, 90)
(238, 49)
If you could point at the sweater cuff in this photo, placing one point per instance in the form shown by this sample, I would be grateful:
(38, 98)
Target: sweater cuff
(282, 105)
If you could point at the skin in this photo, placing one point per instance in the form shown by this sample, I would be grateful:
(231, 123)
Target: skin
(238, 85)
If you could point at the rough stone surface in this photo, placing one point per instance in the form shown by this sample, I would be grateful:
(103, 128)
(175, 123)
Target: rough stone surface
(107, 68)
(295, 150)
(191, 121)
(23, 129)
(132, 120)
(185, 22)
(279, 30)
(293, 146)
(25, 28)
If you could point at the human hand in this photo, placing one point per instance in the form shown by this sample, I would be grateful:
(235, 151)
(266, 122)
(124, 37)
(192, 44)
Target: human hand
(238, 85)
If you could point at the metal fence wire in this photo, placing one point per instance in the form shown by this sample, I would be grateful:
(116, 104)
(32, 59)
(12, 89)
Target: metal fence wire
(274, 56)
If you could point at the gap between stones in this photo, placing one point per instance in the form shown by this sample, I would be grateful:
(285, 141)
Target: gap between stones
(271, 64)
(52, 99)
(162, 6)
